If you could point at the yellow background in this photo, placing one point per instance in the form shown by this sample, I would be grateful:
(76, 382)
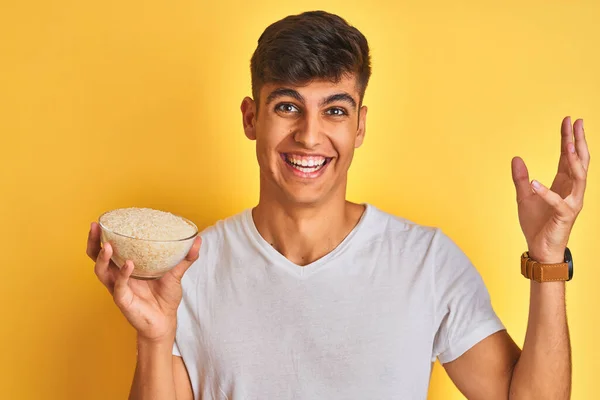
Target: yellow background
(110, 104)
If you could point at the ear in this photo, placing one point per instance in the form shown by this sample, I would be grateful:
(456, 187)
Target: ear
(362, 127)
(248, 109)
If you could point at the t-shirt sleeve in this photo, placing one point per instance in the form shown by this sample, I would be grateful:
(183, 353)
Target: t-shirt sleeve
(463, 310)
(187, 336)
(186, 313)
(176, 351)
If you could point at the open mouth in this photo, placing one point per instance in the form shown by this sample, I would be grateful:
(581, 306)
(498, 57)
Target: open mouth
(305, 164)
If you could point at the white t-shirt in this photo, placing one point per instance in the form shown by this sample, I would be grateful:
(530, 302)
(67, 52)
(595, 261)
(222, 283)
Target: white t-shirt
(364, 322)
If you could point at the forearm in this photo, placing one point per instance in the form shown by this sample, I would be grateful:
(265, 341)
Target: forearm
(544, 367)
(153, 379)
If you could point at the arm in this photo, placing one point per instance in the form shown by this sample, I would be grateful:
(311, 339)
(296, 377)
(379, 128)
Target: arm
(158, 374)
(495, 368)
(544, 368)
(485, 371)
(547, 216)
(150, 306)
(183, 386)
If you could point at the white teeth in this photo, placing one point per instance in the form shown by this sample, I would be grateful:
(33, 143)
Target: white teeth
(306, 165)
(307, 170)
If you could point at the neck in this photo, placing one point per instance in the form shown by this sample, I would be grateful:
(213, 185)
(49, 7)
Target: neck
(303, 234)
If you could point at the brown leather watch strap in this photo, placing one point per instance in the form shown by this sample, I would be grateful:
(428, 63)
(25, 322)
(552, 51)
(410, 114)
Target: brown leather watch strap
(538, 272)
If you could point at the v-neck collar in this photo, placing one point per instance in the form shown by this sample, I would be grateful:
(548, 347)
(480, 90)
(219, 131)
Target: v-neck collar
(281, 260)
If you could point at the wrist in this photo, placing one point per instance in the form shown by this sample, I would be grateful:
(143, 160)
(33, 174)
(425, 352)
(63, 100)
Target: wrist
(153, 346)
(547, 257)
(166, 339)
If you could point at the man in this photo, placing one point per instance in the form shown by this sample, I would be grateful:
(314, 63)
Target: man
(309, 296)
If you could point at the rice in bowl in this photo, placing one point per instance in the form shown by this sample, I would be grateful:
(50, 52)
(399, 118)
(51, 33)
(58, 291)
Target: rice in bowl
(156, 241)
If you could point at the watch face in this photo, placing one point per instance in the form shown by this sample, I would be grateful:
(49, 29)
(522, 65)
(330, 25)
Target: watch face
(569, 260)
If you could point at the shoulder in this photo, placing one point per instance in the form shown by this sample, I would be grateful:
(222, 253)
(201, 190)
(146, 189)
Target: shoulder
(214, 238)
(430, 244)
(223, 228)
(402, 231)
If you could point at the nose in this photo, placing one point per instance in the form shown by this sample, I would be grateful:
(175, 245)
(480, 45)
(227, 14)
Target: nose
(309, 133)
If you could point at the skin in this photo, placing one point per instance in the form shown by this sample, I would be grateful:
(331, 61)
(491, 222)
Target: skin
(309, 217)
(495, 368)
(151, 308)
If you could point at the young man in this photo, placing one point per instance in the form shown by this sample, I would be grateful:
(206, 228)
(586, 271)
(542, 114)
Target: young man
(309, 296)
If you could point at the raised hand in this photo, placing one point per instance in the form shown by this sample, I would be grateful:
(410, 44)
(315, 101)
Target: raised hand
(150, 306)
(547, 215)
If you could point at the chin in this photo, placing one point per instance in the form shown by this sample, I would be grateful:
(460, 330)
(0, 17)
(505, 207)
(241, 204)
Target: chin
(306, 197)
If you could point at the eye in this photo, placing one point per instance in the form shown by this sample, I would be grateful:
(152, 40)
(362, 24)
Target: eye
(336, 111)
(286, 108)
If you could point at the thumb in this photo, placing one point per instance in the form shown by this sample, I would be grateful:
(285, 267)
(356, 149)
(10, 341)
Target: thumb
(520, 177)
(187, 262)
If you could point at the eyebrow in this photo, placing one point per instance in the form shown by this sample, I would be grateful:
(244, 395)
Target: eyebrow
(345, 97)
(287, 92)
(284, 92)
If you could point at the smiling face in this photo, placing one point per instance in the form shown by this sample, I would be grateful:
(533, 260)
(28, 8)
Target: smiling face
(305, 138)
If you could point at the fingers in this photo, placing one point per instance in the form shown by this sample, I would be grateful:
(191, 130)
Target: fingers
(194, 251)
(102, 269)
(123, 295)
(520, 177)
(581, 144)
(578, 176)
(191, 257)
(566, 135)
(93, 242)
(564, 212)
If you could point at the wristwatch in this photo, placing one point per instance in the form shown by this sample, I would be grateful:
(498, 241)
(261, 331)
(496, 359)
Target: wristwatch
(539, 272)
